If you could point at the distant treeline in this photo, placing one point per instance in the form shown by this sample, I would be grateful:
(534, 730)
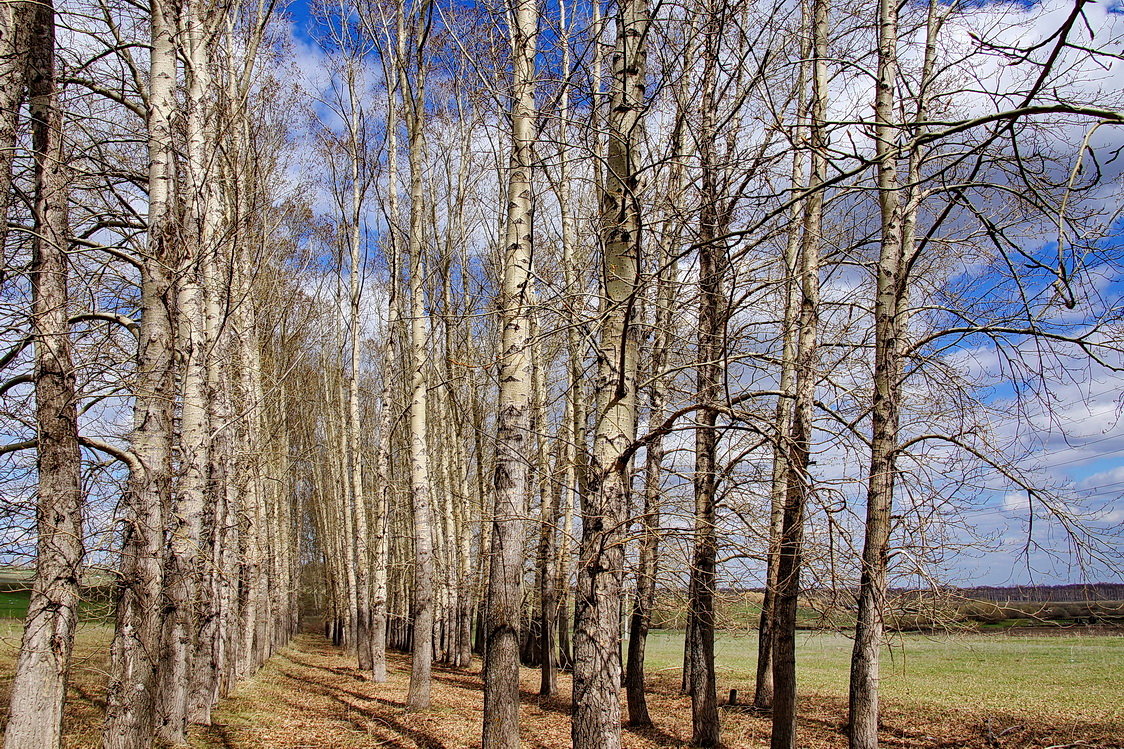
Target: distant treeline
(1046, 593)
(996, 594)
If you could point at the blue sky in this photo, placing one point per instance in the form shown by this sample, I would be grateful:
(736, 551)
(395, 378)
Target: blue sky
(1078, 442)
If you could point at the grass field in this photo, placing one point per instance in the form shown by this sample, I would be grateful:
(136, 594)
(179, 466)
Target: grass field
(14, 602)
(939, 693)
(1036, 675)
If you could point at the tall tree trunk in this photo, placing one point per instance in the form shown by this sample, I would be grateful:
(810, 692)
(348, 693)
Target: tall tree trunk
(254, 549)
(386, 414)
(688, 649)
(648, 563)
(39, 686)
(798, 459)
(363, 636)
(217, 676)
(575, 456)
(511, 480)
(183, 571)
(548, 559)
(763, 684)
(487, 503)
(422, 608)
(541, 630)
(709, 373)
(896, 256)
(574, 483)
(130, 713)
(597, 659)
(380, 537)
(343, 527)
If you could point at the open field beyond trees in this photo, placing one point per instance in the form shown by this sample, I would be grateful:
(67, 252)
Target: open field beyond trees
(953, 691)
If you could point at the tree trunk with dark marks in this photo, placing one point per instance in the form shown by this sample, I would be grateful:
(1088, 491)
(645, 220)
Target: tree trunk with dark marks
(511, 480)
(598, 600)
(798, 459)
(39, 685)
(130, 709)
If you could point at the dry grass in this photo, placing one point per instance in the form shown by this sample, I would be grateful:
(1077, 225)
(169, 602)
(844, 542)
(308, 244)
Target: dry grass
(311, 696)
(85, 705)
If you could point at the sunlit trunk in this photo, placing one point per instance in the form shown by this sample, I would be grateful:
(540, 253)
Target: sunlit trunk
(597, 660)
(130, 708)
(39, 685)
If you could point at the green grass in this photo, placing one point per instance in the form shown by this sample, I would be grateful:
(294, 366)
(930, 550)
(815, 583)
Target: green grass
(15, 593)
(13, 605)
(1054, 675)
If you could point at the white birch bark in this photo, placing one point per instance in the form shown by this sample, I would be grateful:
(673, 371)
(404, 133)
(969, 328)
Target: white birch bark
(130, 708)
(358, 498)
(382, 456)
(511, 479)
(183, 572)
(423, 593)
(597, 713)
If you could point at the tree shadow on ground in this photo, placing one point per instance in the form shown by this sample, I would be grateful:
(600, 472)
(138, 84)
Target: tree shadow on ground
(382, 718)
(218, 734)
(86, 696)
(656, 735)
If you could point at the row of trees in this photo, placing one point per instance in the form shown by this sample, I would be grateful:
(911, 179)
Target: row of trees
(147, 237)
(504, 320)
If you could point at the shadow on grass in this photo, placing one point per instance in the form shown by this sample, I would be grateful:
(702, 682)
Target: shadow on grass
(656, 735)
(555, 704)
(454, 678)
(98, 702)
(340, 696)
(218, 735)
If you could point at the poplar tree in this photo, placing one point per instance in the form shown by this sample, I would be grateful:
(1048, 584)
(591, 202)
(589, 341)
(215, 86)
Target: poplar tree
(512, 479)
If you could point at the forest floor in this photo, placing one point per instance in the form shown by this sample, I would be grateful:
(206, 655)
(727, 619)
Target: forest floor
(310, 695)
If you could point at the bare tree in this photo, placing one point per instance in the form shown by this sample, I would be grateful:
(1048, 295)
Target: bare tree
(412, 89)
(39, 685)
(195, 237)
(511, 480)
(17, 19)
(601, 563)
(710, 371)
(805, 375)
(382, 35)
(654, 470)
(130, 710)
(782, 420)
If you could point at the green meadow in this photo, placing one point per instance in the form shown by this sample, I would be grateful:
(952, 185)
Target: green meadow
(999, 673)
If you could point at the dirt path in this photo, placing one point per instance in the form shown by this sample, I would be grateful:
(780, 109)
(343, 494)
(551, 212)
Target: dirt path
(310, 696)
